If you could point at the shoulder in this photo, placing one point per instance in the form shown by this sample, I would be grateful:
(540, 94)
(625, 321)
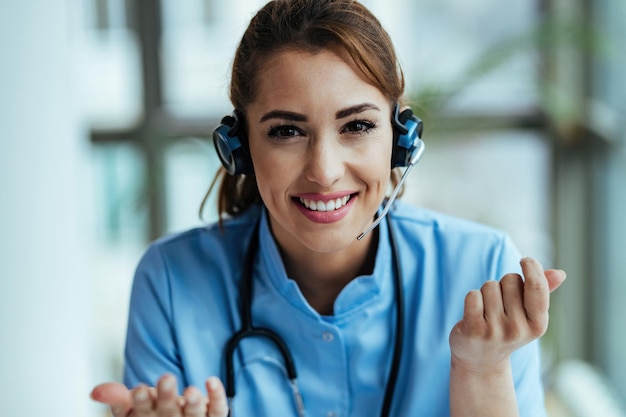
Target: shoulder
(455, 242)
(232, 228)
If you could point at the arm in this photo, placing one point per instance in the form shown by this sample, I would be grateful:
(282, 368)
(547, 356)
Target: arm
(151, 357)
(500, 318)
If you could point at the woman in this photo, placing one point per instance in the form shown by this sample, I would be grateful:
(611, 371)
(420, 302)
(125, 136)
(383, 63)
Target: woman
(407, 320)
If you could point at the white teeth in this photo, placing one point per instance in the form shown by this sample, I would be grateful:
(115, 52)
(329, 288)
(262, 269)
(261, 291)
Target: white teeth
(330, 205)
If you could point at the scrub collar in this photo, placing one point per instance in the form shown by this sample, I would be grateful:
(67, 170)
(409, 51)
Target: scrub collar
(360, 292)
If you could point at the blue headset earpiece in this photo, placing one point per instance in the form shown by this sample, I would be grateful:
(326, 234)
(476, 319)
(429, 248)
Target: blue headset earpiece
(407, 142)
(231, 147)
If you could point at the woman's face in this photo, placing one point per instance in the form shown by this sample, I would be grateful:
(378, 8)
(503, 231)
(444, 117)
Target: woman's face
(320, 139)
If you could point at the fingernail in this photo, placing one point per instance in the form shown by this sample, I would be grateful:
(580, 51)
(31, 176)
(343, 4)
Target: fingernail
(193, 399)
(167, 384)
(530, 259)
(140, 395)
(564, 274)
(212, 383)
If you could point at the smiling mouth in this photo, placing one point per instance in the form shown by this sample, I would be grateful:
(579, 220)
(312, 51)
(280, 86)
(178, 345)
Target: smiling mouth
(325, 205)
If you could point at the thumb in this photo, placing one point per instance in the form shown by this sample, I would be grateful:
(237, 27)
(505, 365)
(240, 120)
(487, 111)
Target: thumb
(555, 278)
(115, 395)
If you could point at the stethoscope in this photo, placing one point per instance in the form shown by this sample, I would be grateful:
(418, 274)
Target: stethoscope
(249, 330)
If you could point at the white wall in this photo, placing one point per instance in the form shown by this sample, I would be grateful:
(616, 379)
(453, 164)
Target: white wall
(44, 327)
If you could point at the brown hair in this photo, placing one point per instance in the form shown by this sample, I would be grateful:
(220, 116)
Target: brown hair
(307, 25)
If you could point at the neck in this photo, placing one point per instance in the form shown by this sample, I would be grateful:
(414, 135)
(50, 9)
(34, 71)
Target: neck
(322, 276)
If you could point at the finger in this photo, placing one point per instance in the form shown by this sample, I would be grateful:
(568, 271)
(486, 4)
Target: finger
(167, 404)
(474, 307)
(195, 403)
(512, 287)
(473, 322)
(116, 395)
(555, 278)
(536, 295)
(492, 298)
(143, 400)
(218, 405)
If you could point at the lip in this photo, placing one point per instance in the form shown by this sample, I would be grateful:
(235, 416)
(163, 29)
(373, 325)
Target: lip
(325, 217)
(325, 197)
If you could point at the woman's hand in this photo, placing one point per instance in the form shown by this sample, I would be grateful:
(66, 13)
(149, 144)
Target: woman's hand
(504, 315)
(144, 401)
(498, 319)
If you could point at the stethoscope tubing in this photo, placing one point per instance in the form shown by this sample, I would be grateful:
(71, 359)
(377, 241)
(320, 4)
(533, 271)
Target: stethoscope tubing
(249, 330)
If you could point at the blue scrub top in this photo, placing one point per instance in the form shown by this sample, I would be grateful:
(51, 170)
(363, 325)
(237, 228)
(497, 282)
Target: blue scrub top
(185, 306)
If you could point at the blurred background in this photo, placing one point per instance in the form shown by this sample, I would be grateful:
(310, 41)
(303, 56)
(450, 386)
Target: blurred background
(106, 110)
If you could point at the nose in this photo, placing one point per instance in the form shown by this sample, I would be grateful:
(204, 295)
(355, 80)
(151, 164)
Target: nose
(325, 161)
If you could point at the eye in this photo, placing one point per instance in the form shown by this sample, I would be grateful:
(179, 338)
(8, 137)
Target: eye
(359, 126)
(284, 131)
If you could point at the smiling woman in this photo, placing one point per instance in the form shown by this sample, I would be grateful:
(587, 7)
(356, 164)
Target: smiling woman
(310, 152)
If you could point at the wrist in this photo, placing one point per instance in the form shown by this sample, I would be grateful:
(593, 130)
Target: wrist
(482, 389)
(482, 370)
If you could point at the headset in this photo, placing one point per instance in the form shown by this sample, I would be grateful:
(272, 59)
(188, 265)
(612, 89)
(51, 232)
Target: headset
(231, 142)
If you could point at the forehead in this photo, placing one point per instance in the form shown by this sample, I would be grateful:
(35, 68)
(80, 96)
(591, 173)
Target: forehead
(328, 77)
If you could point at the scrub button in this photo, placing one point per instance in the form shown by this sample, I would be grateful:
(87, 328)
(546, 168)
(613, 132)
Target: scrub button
(328, 337)
(331, 414)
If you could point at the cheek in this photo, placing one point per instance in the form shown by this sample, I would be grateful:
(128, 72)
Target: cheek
(377, 171)
(377, 165)
(272, 176)
(375, 174)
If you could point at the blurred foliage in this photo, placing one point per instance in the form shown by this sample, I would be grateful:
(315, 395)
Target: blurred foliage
(558, 45)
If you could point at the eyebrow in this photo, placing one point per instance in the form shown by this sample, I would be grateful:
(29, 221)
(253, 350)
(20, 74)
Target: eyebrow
(297, 117)
(283, 114)
(359, 108)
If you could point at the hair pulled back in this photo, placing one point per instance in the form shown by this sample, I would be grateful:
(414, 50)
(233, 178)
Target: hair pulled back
(311, 26)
